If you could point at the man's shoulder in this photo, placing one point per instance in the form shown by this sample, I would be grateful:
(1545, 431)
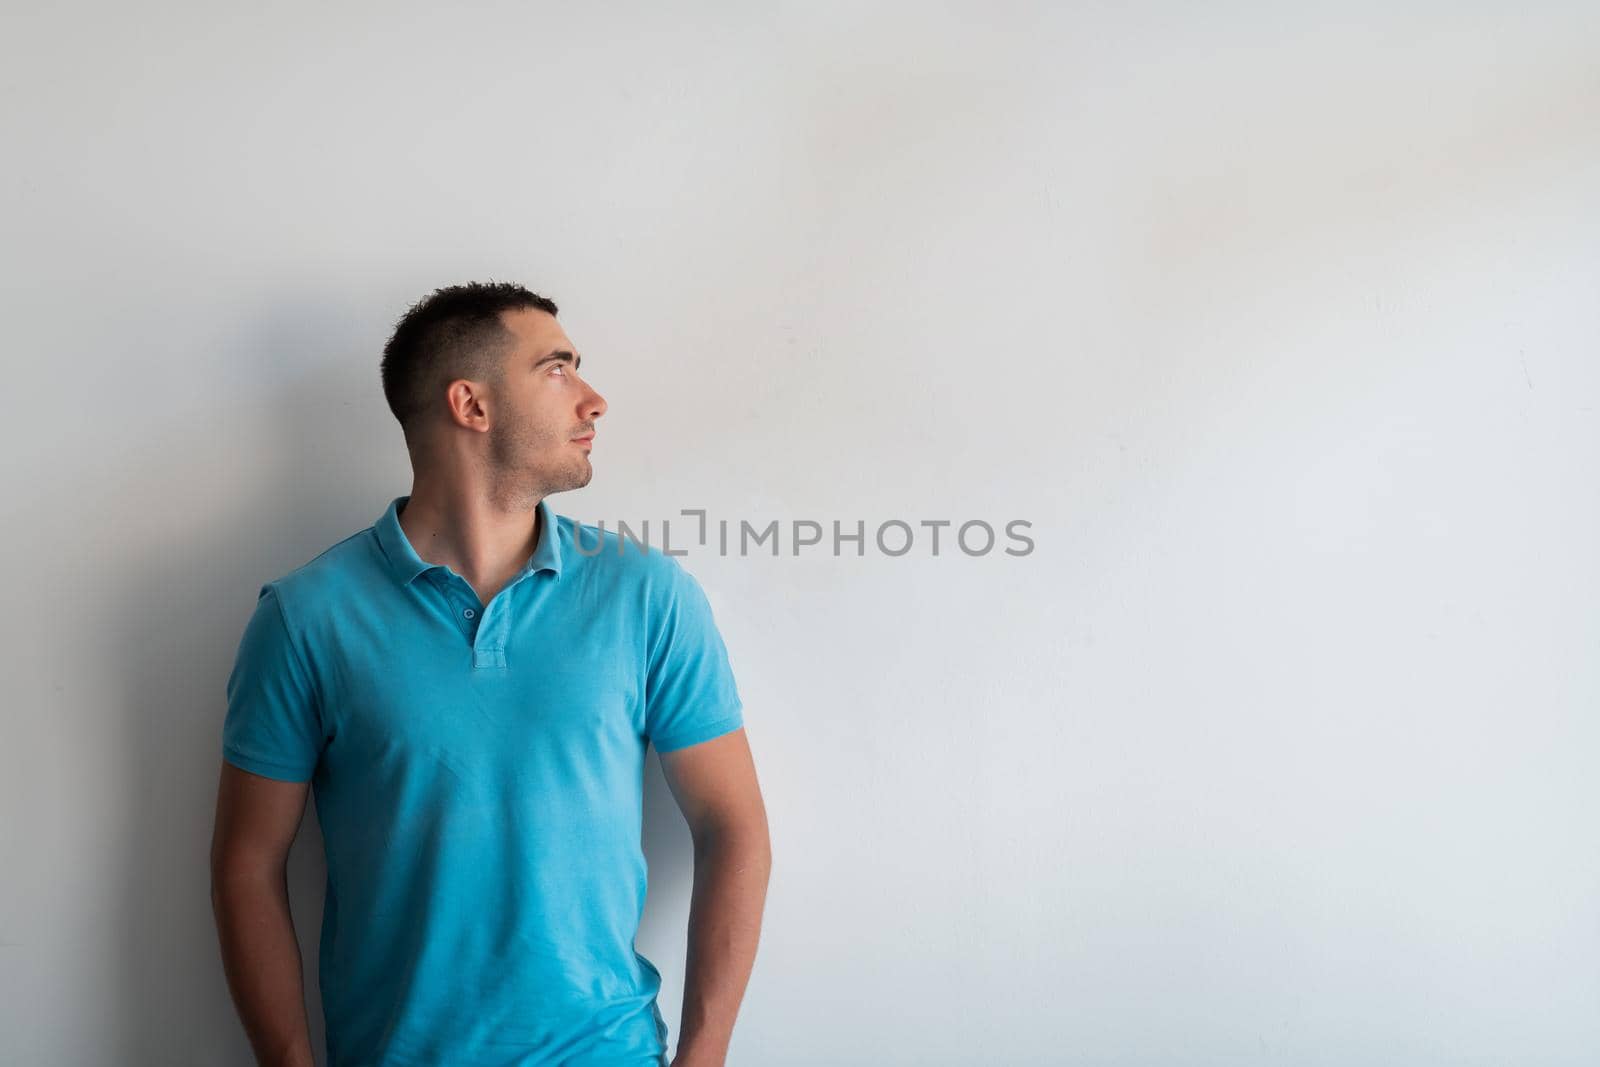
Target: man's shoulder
(618, 556)
(327, 575)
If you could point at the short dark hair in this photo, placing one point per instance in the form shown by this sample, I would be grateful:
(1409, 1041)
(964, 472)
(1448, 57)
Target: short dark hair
(455, 332)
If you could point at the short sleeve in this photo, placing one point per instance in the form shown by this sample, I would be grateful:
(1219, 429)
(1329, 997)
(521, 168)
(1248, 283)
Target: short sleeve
(690, 695)
(274, 725)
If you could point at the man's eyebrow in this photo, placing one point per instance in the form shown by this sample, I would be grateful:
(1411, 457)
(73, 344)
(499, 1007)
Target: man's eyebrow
(564, 356)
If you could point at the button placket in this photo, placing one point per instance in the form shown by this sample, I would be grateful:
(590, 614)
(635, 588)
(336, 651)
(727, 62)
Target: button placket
(489, 644)
(462, 600)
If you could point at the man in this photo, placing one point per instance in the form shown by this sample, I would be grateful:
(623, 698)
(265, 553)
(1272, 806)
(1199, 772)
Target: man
(471, 697)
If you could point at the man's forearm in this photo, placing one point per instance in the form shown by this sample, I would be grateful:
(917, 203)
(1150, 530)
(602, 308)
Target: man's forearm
(261, 957)
(731, 868)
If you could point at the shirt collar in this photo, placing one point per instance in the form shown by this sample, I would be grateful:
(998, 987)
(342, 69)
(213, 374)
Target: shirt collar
(405, 564)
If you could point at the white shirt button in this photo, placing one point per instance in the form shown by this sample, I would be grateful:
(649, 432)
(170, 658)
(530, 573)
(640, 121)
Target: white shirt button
(469, 613)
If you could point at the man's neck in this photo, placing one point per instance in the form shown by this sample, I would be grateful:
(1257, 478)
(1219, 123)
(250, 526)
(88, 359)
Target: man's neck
(484, 543)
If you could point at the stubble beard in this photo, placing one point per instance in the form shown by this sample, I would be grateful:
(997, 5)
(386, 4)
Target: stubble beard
(519, 473)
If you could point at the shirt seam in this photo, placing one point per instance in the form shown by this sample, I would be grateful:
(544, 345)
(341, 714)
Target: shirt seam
(299, 657)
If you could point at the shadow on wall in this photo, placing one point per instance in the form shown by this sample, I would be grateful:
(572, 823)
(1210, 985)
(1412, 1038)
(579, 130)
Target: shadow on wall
(272, 484)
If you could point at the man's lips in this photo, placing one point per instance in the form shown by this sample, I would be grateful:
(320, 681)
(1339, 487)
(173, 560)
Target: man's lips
(587, 440)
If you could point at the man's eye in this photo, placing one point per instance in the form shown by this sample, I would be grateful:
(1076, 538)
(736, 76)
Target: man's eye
(559, 367)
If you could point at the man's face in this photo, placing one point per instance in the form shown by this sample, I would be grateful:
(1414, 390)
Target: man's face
(544, 422)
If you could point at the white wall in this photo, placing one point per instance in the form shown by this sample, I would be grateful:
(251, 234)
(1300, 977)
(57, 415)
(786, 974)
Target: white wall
(1278, 324)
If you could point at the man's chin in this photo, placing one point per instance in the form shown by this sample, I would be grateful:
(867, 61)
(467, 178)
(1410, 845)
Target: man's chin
(575, 479)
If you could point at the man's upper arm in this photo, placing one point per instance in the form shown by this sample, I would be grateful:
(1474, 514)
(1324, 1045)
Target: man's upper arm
(272, 739)
(273, 726)
(690, 695)
(714, 783)
(256, 821)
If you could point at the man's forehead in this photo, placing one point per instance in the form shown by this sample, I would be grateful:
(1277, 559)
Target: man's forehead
(537, 332)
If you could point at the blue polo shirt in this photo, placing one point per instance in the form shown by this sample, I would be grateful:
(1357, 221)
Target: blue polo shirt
(478, 776)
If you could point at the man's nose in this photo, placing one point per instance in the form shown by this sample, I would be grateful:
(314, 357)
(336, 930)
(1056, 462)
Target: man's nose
(594, 405)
